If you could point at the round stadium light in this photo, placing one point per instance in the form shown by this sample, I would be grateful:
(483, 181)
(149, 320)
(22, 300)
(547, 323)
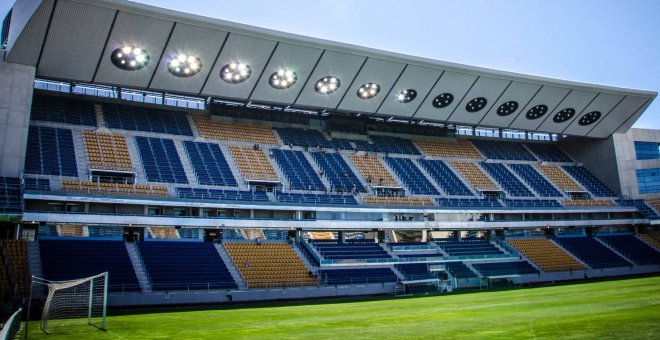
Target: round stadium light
(507, 108)
(406, 96)
(327, 85)
(129, 58)
(476, 104)
(536, 112)
(443, 100)
(564, 115)
(282, 79)
(589, 118)
(368, 90)
(184, 66)
(234, 73)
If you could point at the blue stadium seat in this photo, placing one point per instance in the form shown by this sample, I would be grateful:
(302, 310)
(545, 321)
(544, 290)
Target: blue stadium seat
(467, 246)
(505, 268)
(11, 197)
(134, 118)
(335, 250)
(106, 231)
(222, 195)
(50, 151)
(535, 180)
(297, 170)
(315, 198)
(354, 276)
(69, 259)
(337, 171)
(531, 204)
(445, 177)
(184, 265)
(644, 209)
(388, 145)
(505, 178)
(272, 234)
(415, 271)
(62, 110)
(459, 270)
(589, 181)
(632, 248)
(468, 203)
(592, 252)
(41, 184)
(311, 138)
(209, 164)
(160, 160)
(548, 152)
(503, 150)
(411, 176)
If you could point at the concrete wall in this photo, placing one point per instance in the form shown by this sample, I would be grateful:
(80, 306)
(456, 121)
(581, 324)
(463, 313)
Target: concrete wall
(15, 103)
(627, 163)
(597, 155)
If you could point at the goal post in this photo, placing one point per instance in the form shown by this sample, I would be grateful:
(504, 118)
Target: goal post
(73, 302)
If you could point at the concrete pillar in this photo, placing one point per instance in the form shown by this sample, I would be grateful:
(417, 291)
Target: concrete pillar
(380, 236)
(424, 235)
(341, 235)
(16, 86)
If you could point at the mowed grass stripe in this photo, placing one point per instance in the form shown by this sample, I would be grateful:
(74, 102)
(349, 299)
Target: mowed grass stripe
(612, 309)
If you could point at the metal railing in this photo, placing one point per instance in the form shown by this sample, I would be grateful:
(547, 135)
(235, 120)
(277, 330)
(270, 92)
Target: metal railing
(421, 259)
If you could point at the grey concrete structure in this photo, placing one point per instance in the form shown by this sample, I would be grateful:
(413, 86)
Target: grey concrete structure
(16, 83)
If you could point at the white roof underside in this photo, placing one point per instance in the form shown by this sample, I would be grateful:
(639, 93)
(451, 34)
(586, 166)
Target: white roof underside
(72, 40)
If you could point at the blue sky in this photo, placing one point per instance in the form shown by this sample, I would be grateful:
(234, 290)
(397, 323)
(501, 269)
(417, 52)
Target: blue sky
(606, 42)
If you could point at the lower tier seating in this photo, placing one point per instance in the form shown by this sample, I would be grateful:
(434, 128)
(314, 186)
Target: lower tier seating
(321, 235)
(505, 268)
(467, 246)
(18, 261)
(632, 248)
(71, 230)
(415, 271)
(269, 264)
(592, 252)
(184, 265)
(163, 232)
(459, 270)
(335, 250)
(114, 188)
(652, 238)
(547, 255)
(69, 259)
(361, 275)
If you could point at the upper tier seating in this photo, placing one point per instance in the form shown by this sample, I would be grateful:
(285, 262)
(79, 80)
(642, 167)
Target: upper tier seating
(232, 234)
(468, 203)
(547, 255)
(176, 265)
(209, 164)
(253, 234)
(511, 184)
(105, 231)
(559, 178)
(321, 235)
(163, 232)
(461, 148)
(315, 198)
(42, 184)
(652, 238)
(644, 209)
(191, 233)
(505, 268)
(272, 234)
(474, 176)
(71, 230)
(415, 271)
(355, 276)
(387, 145)
(503, 150)
(269, 264)
(654, 202)
(220, 130)
(589, 181)
(69, 259)
(11, 198)
(588, 203)
(50, 151)
(107, 151)
(62, 110)
(592, 252)
(548, 152)
(222, 195)
(160, 160)
(335, 250)
(529, 204)
(253, 164)
(47, 230)
(445, 177)
(134, 118)
(337, 171)
(398, 201)
(373, 171)
(535, 180)
(311, 138)
(459, 270)
(411, 176)
(632, 248)
(114, 188)
(297, 170)
(467, 246)
(18, 261)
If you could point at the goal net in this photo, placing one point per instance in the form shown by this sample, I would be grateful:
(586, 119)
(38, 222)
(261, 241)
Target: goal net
(74, 302)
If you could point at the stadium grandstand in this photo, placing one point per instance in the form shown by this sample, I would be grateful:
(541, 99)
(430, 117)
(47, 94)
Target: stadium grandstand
(198, 161)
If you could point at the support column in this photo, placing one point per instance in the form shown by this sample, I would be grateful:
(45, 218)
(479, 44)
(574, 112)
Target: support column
(341, 235)
(16, 87)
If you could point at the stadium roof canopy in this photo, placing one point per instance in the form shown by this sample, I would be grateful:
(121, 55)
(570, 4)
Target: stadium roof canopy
(82, 41)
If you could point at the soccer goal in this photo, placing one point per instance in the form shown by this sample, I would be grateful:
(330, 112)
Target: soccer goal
(72, 302)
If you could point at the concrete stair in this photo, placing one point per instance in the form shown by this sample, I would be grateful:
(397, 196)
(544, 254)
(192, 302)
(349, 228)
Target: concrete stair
(427, 175)
(615, 251)
(185, 161)
(317, 169)
(304, 259)
(138, 266)
(34, 266)
(235, 274)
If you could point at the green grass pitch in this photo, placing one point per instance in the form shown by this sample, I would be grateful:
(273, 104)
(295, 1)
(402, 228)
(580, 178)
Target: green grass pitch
(617, 309)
